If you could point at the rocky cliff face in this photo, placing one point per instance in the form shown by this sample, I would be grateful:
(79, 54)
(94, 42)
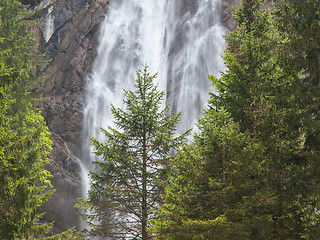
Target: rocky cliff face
(226, 15)
(68, 36)
(228, 9)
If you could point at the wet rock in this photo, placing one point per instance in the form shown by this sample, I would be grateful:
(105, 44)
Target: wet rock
(226, 14)
(70, 46)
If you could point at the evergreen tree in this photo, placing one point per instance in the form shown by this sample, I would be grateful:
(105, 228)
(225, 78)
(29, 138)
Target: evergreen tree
(24, 145)
(216, 187)
(269, 101)
(298, 21)
(248, 87)
(24, 138)
(299, 57)
(270, 106)
(126, 186)
(18, 34)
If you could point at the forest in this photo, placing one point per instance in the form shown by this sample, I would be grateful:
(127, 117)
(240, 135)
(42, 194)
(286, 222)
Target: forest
(250, 171)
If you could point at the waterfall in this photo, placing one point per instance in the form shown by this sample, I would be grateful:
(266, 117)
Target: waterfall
(180, 39)
(193, 44)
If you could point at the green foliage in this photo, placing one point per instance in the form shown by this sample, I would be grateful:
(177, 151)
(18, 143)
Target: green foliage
(299, 22)
(24, 138)
(299, 56)
(17, 33)
(217, 229)
(255, 160)
(267, 97)
(126, 186)
(70, 234)
(220, 176)
(249, 88)
(24, 145)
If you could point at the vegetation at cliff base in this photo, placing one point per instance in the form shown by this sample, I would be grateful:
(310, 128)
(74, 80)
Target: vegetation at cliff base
(126, 184)
(24, 138)
(252, 172)
(252, 169)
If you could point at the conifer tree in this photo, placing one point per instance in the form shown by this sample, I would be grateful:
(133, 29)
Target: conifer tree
(267, 95)
(299, 57)
(24, 145)
(24, 138)
(126, 186)
(216, 186)
(298, 21)
(17, 30)
(268, 99)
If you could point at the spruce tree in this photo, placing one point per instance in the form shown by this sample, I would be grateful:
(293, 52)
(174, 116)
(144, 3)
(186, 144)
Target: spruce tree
(24, 138)
(267, 93)
(126, 184)
(267, 89)
(17, 30)
(299, 57)
(216, 187)
(24, 145)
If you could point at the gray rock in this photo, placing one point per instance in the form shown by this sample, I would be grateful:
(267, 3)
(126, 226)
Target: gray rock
(226, 15)
(61, 16)
(76, 5)
(71, 48)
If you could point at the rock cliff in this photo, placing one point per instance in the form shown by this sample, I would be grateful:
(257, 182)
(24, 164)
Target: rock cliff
(68, 37)
(226, 15)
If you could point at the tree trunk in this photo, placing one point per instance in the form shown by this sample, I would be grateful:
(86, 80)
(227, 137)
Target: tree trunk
(144, 191)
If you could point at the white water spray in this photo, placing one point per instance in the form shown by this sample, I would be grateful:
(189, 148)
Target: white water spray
(193, 45)
(132, 35)
(180, 39)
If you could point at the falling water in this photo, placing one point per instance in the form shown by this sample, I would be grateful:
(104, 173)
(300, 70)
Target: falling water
(180, 39)
(132, 34)
(192, 46)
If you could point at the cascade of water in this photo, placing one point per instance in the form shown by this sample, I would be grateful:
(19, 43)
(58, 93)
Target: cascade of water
(181, 39)
(193, 45)
(132, 34)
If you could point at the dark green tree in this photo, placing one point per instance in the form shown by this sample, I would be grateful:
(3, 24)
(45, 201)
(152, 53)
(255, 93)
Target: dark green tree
(248, 89)
(17, 30)
(126, 186)
(216, 187)
(299, 57)
(298, 21)
(266, 94)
